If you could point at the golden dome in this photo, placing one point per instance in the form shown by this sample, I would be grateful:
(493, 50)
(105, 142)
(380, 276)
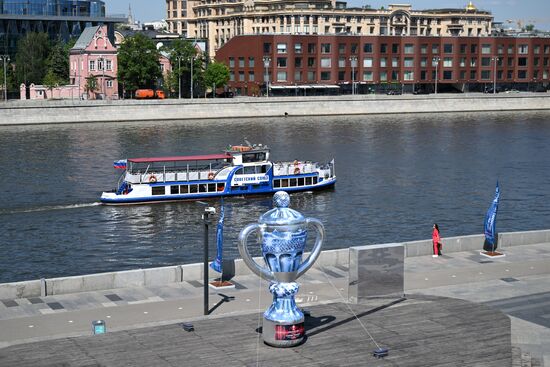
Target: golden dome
(471, 7)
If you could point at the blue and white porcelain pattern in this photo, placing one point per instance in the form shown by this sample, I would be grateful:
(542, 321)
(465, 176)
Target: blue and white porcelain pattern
(284, 309)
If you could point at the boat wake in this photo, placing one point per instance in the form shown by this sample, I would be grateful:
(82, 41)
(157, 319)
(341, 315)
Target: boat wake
(49, 208)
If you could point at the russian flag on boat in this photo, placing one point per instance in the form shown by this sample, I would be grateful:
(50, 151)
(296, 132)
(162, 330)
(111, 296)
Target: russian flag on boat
(120, 164)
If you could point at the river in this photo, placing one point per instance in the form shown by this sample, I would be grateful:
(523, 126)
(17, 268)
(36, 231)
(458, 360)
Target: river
(396, 176)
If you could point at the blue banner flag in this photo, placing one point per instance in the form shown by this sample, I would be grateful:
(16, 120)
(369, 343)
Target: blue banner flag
(491, 218)
(120, 164)
(217, 263)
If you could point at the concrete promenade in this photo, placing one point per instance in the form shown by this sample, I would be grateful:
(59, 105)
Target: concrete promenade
(518, 285)
(75, 111)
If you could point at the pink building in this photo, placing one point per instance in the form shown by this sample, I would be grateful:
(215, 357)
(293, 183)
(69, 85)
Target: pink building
(94, 55)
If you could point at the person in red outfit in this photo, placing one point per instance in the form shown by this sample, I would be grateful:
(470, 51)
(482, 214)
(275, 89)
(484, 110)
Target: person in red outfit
(436, 241)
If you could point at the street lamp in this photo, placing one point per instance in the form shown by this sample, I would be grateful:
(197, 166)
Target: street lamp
(179, 58)
(436, 61)
(5, 59)
(353, 61)
(267, 60)
(495, 60)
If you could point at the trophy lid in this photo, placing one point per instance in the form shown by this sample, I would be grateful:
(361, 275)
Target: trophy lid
(281, 214)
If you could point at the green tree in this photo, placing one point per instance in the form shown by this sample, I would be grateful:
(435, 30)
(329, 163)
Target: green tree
(182, 53)
(91, 85)
(31, 58)
(51, 81)
(529, 27)
(169, 83)
(217, 74)
(58, 64)
(138, 63)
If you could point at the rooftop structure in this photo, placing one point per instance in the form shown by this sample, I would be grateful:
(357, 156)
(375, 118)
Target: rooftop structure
(219, 20)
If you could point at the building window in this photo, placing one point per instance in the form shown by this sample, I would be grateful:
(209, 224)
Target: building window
(395, 62)
(367, 62)
(462, 75)
(342, 48)
(241, 62)
(91, 65)
(395, 75)
(353, 48)
(267, 48)
(281, 48)
(281, 62)
(311, 62)
(250, 76)
(395, 48)
(325, 75)
(485, 74)
(473, 75)
(510, 62)
(368, 76)
(109, 64)
(311, 48)
(383, 76)
(341, 75)
(241, 76)
(473, 49)
(310, 76)
(367, 48)
(298, 62)
(523, 49)
(473, 61)
(423, 62)
(297, 76)
(383, 48)
(250, 62)
(424, 49)
(485, 61)
(486, 49)
(462, 62)
(547, 49)
(408, 75)
(522, 74)
(281, 76)
(231, 62)
(409, 48)
(409, 62)
(325, 48)
(435, 49)
(522, 61)
(383, 62)
(463, 48)
(298, 48)
(341, 62)
(325, 62)
(109, 83)
(447, 75)
(536, 49)
(232, 76)
(448, 48)
(423, 75)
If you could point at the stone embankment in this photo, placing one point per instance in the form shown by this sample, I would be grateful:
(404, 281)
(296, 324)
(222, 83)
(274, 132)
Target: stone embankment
(74, 111)
(191, 272)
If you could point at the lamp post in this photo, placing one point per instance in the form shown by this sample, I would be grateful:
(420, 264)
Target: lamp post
(5, 59)
(353, 61)
(267, 60)
(179, 58)
(495, 60)
(436, 60)
(192, 62)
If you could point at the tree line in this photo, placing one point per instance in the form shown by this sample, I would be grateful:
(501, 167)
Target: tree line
(43, 62)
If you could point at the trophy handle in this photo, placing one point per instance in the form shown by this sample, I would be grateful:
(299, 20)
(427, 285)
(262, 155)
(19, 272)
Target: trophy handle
(243, 250)
(316, 248)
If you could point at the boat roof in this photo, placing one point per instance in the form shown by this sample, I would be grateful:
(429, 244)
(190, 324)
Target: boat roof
(206, 157)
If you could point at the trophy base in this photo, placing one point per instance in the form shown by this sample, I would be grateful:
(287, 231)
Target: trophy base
(283, 335)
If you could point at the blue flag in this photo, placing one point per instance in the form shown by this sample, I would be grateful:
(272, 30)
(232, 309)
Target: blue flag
(120, 164)
(217, 263)
(491, 218)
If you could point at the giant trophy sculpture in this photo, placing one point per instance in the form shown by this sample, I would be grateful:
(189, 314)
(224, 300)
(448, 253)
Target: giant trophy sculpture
(282, 233)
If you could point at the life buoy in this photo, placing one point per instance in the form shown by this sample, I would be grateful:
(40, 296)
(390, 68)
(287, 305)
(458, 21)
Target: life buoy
(152, 179)
(297, 170)
(210, 175)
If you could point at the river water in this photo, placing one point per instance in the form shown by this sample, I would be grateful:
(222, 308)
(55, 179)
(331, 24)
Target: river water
(396, 176)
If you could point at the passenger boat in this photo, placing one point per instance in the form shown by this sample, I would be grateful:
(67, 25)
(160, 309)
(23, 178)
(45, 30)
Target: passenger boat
(239, 170)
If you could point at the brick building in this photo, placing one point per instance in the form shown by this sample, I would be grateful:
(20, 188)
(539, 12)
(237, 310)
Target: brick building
(298, 64)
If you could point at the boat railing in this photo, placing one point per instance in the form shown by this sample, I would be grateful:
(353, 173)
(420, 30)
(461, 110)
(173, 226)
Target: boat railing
(169, 176)
(291, 168)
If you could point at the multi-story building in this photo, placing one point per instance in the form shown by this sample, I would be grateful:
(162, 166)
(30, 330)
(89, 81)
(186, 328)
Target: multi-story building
(61, 19)
(220, 20)
(298, 64)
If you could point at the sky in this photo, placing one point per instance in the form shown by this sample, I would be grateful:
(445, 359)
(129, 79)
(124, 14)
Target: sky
(535, 12)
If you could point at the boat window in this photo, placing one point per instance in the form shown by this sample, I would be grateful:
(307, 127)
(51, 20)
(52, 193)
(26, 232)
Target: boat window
(250, 170)
(263, 168)
(284, 182)
(239, 171)
(301, 181)
(276, 183)
(211, 187)
(174, 189)
(308, 180)
(193, 189)
(158, 190)
(184, 189)
(253, 157)
(221, 187)
(315, 180)
(202, 188)
(292, 182)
